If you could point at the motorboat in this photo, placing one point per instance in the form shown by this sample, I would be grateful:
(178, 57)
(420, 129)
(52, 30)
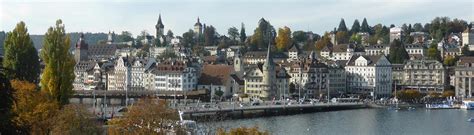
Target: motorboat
(411, 108)
(471, 119)
(467, 104)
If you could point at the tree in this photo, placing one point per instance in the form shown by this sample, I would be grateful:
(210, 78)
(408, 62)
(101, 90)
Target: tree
(6, 102)
(355, 39)
(365, 26)
(299, 36)
(170, 34)
(449, 60)
(168, 53)
(21, 58)
(398, 53)
(355, 27)
(58, 73)
(233, 33)
(418, 27)
(323, 42)
(342, 37)
(32, 109)
(242, 131)
(448, 93)
(342, 26)
(243, 36)
(433, 52)
(188, 39)
(125, 36)
(283, 40)
(75, 119)
(409, 95)
(210, 36)
(263, 35)
(147, 116)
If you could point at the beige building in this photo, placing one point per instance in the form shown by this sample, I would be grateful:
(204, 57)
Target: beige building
(464, 77)
(424, 75)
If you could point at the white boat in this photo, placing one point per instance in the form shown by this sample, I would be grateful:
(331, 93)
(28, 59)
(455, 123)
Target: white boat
(471, 119)
(467, 104)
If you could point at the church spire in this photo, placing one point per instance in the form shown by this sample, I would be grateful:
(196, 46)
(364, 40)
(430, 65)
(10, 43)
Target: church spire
(159, 24)
(269, 62)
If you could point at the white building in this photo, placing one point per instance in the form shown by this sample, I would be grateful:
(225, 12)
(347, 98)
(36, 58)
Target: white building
(464, 77)
(174, 75)
(340, 52)
(368, 74)
(395, 33)
(378, 49)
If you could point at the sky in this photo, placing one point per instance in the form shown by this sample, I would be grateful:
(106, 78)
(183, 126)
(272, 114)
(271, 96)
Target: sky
(181, 15)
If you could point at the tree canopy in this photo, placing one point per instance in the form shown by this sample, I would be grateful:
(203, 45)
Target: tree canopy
(58, 74)
(398, 53)
(283, 40)
(21, 58)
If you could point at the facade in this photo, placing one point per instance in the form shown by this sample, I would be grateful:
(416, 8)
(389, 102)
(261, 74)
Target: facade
(159, 28)
(424, 75)
(378, 49)
(464, 77)
(80, 53)
(218, 78)
(198, 28)
(310, 76)
(121, 75)
(395, 33)
(468, 37)
(175, 75)
(340, 52)
(367, 74)
(337, 78)
(138, 75)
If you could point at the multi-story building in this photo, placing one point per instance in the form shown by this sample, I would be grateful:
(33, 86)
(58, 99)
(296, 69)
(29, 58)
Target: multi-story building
(367, 74)
(341, 52)
(424, 75)
(378, 49)
(464, 77)
(337, 77)
(174, 75)
(119, 78)
(137, 73)
(309, 75)
(217, 78)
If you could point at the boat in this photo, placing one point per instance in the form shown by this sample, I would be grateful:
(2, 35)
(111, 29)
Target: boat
(440, 106)
(411, 108)
(470, 119)
(467, 104)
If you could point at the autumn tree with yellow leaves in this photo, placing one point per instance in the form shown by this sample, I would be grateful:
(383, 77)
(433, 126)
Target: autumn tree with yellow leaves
(283, 40)
(58, 74)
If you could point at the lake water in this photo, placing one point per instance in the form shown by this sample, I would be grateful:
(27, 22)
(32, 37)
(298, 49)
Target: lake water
(362, 122)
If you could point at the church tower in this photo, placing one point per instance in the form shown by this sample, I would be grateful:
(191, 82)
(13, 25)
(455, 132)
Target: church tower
(198, 27)
(238, 66)
(268, 70)
(159, 27)
(80, 53)
(110, 37)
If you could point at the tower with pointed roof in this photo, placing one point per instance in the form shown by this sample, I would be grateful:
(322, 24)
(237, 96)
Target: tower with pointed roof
(80, 53)
(159, 27)
(268, 70)
(198, 27)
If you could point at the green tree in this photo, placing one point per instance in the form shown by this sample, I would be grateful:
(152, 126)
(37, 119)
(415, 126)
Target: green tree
(365, 26)
(355, 39)
(355, 27)
(342, 26)
(233, 33)
(449, 60)
(243, 36)
(21, 58)
(398, 53)
(299, 36)
(188, 39)
(417, 27)
(283, 40)
(58, 73)
(263, 35)
(125, 36)
(6, 102)
(170, 34)
(210, 36)
(433, 52)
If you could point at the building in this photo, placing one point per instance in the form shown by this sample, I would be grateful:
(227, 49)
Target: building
(341, 52)
(416, 49)
(254, 57)
(367, 74)
(424, 75)
(85, 79)
(81, 51)
(337, 77)
(218, 78)
(293, 53)
(159, 28)
(266, 81)
(395, 33)
(464, 77)
(119, 78)
(198, 29)
(310, 76)
(378, 49)
(468, 36)
(110, 37)
(175, 75)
